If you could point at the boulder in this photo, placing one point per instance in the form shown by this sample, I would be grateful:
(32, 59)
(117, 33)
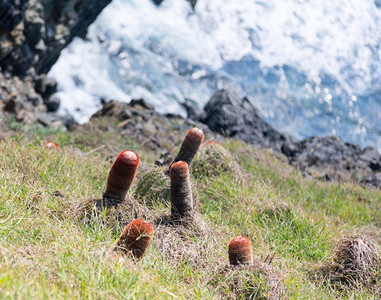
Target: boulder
(226, 114)
(33, 33)
(372, 180)
(328, 158)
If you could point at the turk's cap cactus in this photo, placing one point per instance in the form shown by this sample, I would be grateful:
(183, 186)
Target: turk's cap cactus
(135, 238)
(240, 251)
(121, 175)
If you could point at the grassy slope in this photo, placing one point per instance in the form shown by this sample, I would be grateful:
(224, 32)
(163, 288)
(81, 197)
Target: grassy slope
(47, 252)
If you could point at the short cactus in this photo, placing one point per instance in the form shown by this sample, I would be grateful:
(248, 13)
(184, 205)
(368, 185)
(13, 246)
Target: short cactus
(121, 175)
(181, 192)
(52, 145)
(190, 145)
(240, 251)
(135, 238)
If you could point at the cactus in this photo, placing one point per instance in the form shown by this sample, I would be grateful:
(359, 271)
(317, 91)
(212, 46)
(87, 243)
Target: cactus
(181, 192)
(51, 145)
(121, 175)
(240, 251)
(135, 238)
(189, 146)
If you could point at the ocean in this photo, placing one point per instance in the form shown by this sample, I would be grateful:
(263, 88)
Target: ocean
(310, 67)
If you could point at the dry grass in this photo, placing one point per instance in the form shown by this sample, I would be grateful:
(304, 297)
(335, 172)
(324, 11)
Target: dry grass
(214, 160)
(257, 281)
(356, 262)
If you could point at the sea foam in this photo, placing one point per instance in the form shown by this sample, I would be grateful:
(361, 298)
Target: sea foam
(311, 67)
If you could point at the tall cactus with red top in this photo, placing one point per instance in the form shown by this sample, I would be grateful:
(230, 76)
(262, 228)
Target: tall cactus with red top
(180, 191)
(121, 175)
(190, 145)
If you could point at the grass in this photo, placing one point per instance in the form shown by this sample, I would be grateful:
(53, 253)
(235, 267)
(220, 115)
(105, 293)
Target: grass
(47, 251)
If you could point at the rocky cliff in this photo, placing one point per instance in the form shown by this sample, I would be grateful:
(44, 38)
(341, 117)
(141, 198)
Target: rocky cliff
(33, 33)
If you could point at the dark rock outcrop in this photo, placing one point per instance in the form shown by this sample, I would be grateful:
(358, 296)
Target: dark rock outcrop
(33, 33)
(372, 180)
(18, 97)
(326, 157)
(11, 13)
(335, 158)
(321, 151)
(226, 114)
(140, 121)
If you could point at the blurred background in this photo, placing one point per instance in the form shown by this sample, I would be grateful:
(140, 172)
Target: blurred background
(310, 67)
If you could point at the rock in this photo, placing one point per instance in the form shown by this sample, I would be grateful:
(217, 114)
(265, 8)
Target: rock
(45, 86)
(49, 120)
(372, 158)
(32, 35)
(229, 116)
(192, 110)
(113, 108)
(138, 120)
(192, 2)
(289, 149)
(52, 104)
(372, 180)
(332, 151)
(327, 158)
(11, 13)
(338, 159)
(68, 121)
(141, 102)
(36, 31)
(19, 98)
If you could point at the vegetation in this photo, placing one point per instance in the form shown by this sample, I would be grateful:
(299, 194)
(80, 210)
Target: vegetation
(295, 225)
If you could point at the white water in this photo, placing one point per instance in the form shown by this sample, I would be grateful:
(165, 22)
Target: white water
(311, 67)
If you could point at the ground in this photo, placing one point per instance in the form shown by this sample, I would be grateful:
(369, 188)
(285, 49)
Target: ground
(48, 249)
